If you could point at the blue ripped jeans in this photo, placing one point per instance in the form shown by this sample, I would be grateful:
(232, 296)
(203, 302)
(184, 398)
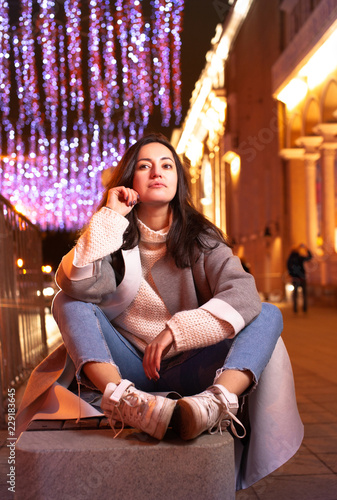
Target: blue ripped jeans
(89, 336)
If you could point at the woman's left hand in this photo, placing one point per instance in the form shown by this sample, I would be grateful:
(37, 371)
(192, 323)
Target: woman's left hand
(154, 353)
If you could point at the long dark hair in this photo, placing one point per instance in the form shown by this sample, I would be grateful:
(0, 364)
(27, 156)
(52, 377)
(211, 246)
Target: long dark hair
(189, 231)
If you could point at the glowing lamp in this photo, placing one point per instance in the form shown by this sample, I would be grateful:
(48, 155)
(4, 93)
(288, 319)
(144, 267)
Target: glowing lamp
(293, 93)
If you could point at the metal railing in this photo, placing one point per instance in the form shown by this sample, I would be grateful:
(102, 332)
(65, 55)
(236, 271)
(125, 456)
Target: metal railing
(22, 319)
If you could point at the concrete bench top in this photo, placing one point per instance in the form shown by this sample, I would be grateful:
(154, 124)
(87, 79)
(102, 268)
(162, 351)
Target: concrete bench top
(88, 463)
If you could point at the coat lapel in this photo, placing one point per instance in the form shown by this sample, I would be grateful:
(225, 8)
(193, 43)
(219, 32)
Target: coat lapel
(175, 286)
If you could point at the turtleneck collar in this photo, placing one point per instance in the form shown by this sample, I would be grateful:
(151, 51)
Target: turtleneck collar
(150, 236)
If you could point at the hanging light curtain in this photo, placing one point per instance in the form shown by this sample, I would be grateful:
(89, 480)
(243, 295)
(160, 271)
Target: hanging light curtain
(79, 82)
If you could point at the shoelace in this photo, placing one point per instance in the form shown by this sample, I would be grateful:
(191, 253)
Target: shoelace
(131, 400)
(223, 422)
(225, 418)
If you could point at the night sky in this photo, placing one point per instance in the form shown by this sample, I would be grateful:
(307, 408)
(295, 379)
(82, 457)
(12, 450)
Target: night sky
(199, 23)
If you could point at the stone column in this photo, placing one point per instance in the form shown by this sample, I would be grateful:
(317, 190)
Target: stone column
(310, 160)
(328, 155)
(311, 156)
(294, 158)
(328, 196)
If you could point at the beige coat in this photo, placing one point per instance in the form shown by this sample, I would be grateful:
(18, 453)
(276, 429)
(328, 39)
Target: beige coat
(276, 428)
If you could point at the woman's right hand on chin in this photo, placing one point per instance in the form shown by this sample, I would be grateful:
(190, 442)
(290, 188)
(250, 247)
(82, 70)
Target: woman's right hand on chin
(122, 199)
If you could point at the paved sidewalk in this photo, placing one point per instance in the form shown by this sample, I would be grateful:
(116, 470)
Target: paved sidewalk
(311, 340)
(311, 474)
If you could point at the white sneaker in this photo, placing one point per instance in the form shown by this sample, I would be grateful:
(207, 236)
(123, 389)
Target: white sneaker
(212, 410)
(126, 404)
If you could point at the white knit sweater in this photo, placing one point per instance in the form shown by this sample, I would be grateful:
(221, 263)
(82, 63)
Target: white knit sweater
(147, 314)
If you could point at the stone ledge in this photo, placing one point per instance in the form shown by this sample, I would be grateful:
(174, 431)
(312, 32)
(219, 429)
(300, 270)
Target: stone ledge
(58, 425)
(90, 464)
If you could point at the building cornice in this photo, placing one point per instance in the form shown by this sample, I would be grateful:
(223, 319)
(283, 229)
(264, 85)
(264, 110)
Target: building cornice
(318, 27)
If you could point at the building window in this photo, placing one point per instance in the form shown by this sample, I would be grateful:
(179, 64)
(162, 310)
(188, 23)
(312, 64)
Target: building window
(207, 182)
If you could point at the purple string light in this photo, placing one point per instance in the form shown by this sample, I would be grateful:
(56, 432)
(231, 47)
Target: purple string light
(176, 29)
(48, 44)
(4, 59)
(73, 30)
(5, 79)
(161, 44)
(81, 97)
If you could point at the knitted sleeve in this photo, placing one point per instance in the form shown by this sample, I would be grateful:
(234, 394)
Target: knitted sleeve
(198, 328)
(103, 236)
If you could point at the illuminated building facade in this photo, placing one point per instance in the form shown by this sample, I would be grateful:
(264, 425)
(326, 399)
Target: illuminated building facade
(261, 137)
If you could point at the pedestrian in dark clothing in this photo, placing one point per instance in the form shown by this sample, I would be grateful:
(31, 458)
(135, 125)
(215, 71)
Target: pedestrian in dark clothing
(295, 265)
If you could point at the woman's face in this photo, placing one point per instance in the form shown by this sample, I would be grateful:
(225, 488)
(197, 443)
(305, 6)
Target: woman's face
(155, 177)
